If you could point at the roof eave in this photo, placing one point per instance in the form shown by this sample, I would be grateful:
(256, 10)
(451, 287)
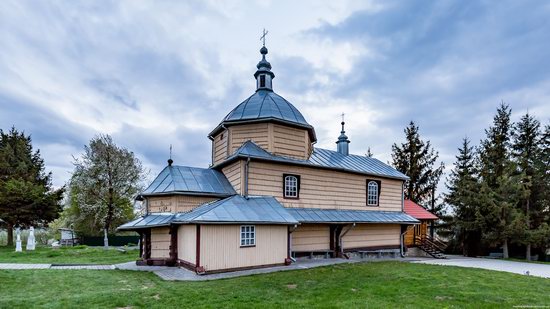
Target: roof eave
(192, 193)
(227, 123)
(242, 156)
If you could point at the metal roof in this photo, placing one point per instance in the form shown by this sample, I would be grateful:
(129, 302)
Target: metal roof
(266, 105)
(152, 220)
(315, 215)
(323, 158)
(231, 210)
(238, 209)
(190, 180)
(417, 211)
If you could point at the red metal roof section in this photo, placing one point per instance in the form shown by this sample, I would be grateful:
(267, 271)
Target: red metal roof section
(418, 212)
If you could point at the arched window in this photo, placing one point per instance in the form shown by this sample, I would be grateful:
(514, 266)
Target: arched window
(291, 186)
(372, 193)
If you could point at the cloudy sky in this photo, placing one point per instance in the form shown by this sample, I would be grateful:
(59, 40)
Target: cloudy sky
(155, 73)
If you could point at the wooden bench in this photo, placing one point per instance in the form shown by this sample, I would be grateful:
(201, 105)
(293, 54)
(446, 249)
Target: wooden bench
(312, 253)
(496, 255)
(379, 253)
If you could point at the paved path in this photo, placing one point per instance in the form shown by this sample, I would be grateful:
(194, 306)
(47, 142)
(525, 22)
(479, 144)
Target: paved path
(13, 266)
(523, 268)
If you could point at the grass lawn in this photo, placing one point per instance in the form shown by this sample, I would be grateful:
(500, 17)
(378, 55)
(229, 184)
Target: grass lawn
(375, 285)
(67, 255)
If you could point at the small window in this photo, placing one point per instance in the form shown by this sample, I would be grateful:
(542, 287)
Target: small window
(262, 80)
(291, 187)
(221, 136)
(373, 192)
(248, 235)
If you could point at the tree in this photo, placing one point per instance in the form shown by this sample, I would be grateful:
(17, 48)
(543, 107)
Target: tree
(500, 187)
(527, 153)
(26, 193)
(463, 190)
(417, 159)
(105, 181)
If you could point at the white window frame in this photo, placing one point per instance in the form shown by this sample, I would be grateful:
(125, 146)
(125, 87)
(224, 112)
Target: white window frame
(248, 235)
(291, 186)
(372, 193)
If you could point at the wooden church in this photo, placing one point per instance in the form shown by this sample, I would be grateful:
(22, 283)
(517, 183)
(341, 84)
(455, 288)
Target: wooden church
(270, 195)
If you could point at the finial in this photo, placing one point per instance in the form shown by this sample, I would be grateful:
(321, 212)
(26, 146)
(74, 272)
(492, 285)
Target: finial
(170, 161)
(262, 38)
(343, 122)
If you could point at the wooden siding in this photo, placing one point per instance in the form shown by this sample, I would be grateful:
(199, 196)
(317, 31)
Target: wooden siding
(219, 147)
(176, 203)
(233, 173)
(187, 240)
(322, 188)
(257, 132)
(311, 237)
(160, 243)
(220, 247)
(372, 235)
(290, 142)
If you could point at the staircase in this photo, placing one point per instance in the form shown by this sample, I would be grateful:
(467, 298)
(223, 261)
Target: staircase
(434, 247)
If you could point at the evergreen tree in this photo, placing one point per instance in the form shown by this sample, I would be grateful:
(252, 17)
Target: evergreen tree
(417, 159)
(526, 152)
(499, 188)
(26, 193)
(462, 196)
(104, 183)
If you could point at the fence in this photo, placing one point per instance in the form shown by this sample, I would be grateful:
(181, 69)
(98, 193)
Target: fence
(113, 240)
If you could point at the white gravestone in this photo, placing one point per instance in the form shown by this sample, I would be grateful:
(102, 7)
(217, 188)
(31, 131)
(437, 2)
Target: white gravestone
(31, 242)
(18, 247)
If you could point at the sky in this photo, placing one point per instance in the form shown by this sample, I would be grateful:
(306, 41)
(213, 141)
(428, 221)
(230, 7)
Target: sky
(155, 73)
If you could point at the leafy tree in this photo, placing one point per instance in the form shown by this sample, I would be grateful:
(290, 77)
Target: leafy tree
(26, 193)
(105, 181)
(499, 188)
(463, 191)
(417, 159)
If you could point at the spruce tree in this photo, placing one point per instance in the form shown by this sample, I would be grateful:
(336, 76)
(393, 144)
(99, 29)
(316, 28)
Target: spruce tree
(462, 196)
(417, 159)
(499, 188)
(526, 152)
(26, 193)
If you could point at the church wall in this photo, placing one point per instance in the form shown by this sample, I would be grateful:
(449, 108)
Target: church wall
(220, 247)
(187, 243)
(233, 173)
(290, 142)
(321, 188)
(160, 243)
(219, 147)
(257, 132)
(372, 235)
(176, 203)
(311, 237)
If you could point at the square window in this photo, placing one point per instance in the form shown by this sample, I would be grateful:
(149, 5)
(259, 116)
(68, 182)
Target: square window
(248, 235)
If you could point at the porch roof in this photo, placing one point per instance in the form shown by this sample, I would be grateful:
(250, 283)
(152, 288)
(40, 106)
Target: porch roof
(316, 215)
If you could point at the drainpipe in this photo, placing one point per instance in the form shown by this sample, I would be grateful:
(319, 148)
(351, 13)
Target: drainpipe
(403, 197)
(290, 230)
(340, 240)
(246, 168)
(402, 241)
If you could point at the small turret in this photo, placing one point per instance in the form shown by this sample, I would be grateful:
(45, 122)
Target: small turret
(264, 76)
(343, 142)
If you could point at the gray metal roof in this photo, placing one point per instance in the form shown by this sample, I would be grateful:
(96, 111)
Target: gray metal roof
(324, 158)
(314, 215)
(234, 209)
(237, 209)
(266, 105)
(152, 220)
(190, 180)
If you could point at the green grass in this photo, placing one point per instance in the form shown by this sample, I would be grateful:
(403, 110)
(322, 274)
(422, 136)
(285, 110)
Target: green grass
(373, 285)
(67, 255)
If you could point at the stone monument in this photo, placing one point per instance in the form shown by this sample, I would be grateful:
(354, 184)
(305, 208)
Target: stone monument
(31, 242)
(18, 247)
